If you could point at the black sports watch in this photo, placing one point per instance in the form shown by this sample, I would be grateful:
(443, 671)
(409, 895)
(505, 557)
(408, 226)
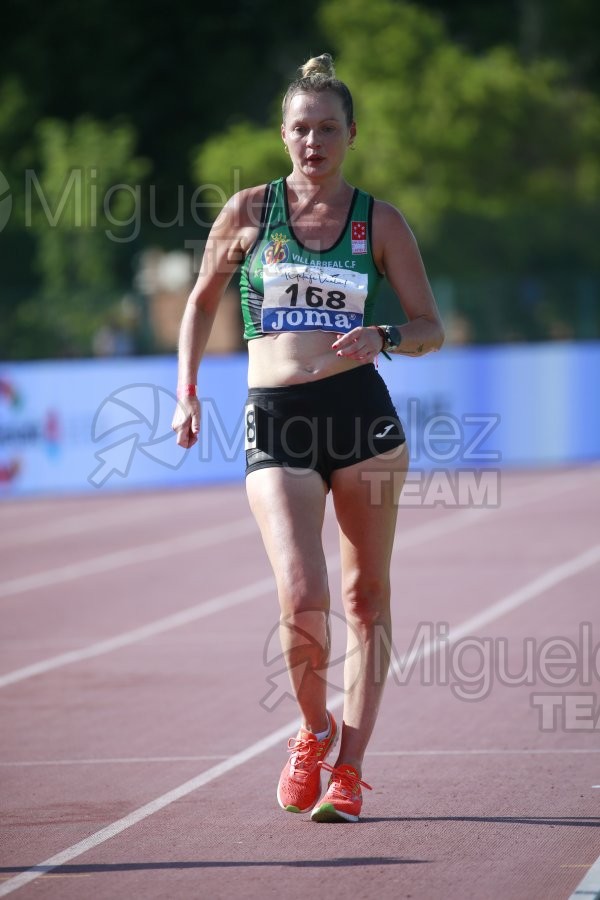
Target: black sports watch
(392, 336)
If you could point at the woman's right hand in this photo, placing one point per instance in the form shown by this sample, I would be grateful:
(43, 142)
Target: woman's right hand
(186, 421)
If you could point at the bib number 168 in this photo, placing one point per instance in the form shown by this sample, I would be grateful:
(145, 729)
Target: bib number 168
(314, 297)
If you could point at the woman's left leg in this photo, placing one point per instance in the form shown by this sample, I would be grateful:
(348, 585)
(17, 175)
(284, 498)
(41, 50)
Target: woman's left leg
(366, 497)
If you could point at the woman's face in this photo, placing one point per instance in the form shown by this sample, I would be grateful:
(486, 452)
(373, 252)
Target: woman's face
(316, 133)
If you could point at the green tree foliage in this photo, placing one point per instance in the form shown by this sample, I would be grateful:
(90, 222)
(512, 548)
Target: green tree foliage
(83, 204)
(565, 31)
(480, 120)
(176, 72)
(450, 137)
(17, 120)
(240, 157)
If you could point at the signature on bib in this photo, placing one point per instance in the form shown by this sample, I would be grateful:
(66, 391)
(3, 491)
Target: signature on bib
(312, 298)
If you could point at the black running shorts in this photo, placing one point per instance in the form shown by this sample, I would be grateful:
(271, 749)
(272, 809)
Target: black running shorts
(322, 425)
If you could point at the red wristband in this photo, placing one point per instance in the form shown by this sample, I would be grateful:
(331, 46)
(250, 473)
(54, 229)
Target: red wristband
(383, 337)
(188, 390)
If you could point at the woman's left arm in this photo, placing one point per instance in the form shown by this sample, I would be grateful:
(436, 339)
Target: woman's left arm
(397, 255)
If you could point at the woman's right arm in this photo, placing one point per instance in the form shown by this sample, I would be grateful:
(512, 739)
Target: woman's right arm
(227, 242)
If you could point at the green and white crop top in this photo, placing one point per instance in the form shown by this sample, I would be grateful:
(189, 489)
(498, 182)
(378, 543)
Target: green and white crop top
(286, 287)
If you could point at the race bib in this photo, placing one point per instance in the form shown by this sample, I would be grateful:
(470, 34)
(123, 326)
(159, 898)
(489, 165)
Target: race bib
(311, 298)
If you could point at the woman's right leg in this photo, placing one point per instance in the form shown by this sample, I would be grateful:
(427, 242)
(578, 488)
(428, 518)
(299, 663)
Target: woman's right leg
(289, 506)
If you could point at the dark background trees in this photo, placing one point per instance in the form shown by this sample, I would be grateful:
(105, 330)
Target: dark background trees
(481, 121)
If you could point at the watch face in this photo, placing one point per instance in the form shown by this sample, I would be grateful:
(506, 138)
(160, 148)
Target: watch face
(393, 335)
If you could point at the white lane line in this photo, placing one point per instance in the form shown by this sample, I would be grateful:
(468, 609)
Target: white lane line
(160, 549)
(429, 531)
(11, 509)
(538, 752)
(154, 806)
(94, 519)
(67, 875)
(202, 537)
(126, 760)
(140, 760)
(221, 602)
(512, 601)
(589, 886)
(495, 611)
(126, 638)
(539, 585)
(536, 492)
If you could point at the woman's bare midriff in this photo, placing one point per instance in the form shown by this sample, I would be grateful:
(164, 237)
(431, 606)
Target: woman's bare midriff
(288, 358)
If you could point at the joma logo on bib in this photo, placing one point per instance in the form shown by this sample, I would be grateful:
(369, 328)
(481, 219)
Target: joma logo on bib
(309, 320)
(311, 298)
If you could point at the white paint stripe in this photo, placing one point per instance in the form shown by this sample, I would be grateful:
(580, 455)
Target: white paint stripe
(495, 611)
(192, 614)
(538, 752)
(221, 602)
(589, 886)
(450, 523)
(154, 806)
(203, 537)
(66, 875)
(73, 504)
(126, 760)
(142, 760)
(95, 519)
(161, 549)
(536, 587)
(512, 601)
(10, 509)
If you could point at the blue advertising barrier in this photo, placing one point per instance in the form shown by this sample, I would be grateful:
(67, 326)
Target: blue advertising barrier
(102, 425)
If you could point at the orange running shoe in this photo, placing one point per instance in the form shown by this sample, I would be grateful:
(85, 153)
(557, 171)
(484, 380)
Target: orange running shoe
(300, 782)
(342, 801)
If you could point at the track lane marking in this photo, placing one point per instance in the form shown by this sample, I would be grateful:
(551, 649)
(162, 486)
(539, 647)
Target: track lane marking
(486, 752)
(534, 588)
(125, 760)
(589, 886)
(135, 635)
(59, 875)
(148, 809)
(137, 760)
(221, 602)
(495, 611)
(202, 537)
(160, 549)
(92, 520)
(415, 536)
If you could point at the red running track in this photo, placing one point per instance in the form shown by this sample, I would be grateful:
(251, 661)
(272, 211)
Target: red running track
(145, 716)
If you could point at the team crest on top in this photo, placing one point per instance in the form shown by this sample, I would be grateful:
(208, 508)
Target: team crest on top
(276, 251)
(359, 237)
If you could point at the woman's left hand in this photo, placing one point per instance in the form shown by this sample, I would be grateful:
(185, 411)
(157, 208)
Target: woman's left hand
(362, 344)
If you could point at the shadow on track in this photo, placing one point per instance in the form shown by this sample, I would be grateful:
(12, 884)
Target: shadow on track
(216, 864)
(581, 822)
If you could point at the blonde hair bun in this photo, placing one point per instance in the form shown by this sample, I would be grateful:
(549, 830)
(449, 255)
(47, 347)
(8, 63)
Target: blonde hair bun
(316, 75)
(318, 65)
